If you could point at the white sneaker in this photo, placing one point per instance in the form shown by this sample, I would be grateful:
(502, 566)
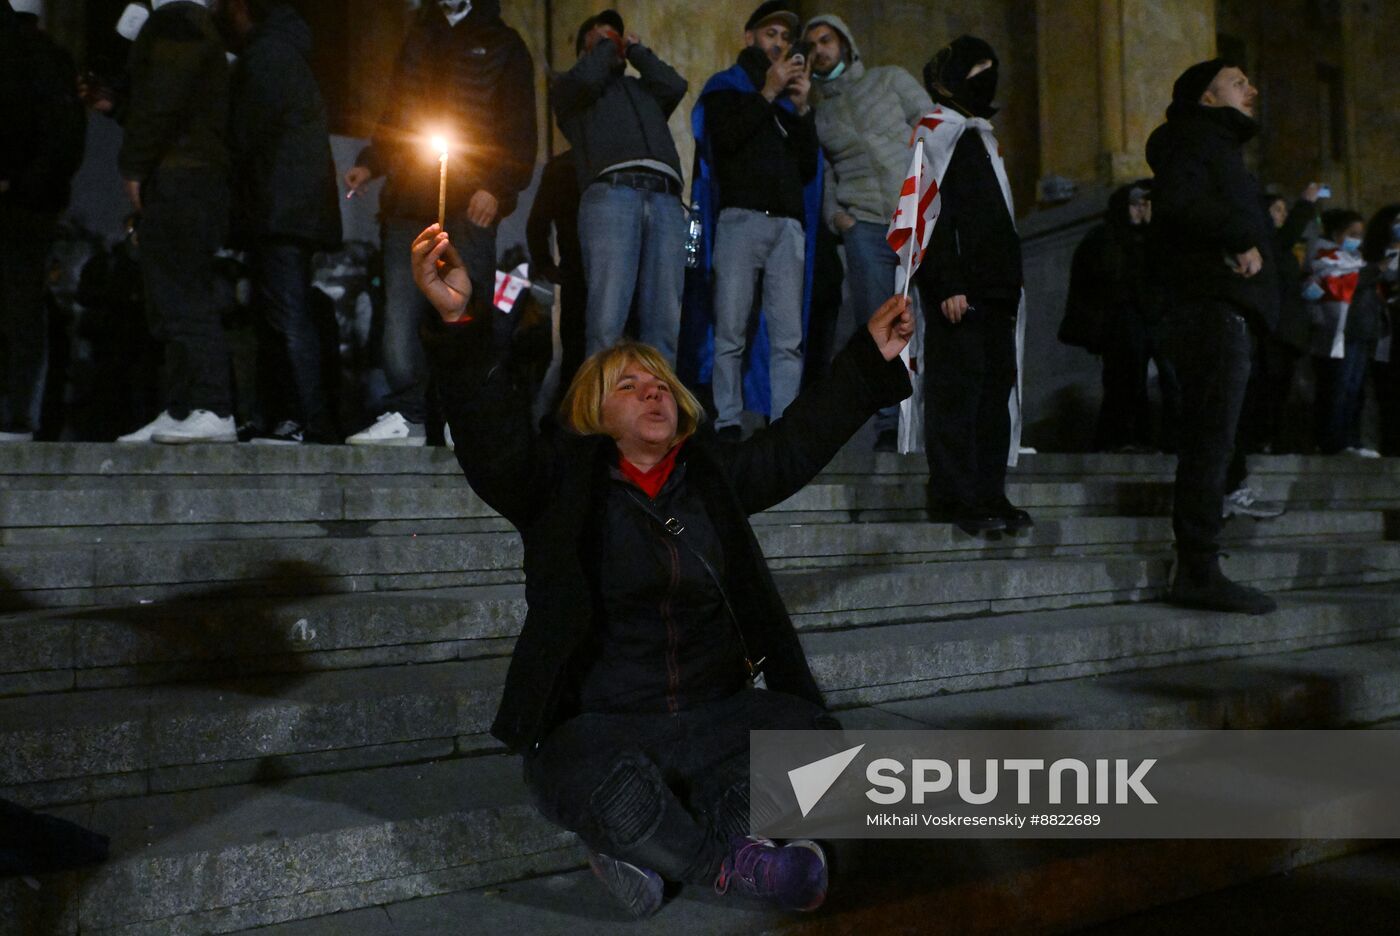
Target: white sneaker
(16, 437)
(1363, 452)
(447, 438)
(199, 426)
(391, 429)
(1245, 502)
(161, 423)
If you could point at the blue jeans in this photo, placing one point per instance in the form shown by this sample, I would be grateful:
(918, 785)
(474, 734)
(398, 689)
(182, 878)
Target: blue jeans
(633, 244)
(290, 349)
(749, 243)
(870, 266)
(405, 364)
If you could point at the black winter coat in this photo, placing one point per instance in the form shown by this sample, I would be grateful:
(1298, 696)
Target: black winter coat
(1206, 209)
(178, 114)
(1294, 319)
(610, 117)
(549, 487)
(974, 250)
(475, 84)
(43, 124)
(284, 178)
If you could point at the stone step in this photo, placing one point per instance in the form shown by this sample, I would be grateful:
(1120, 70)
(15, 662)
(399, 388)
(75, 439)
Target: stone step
(972, 888)
(220, 860)
(99, 512)
(97, 744)
(42, 575)
(70, 458)
(224, 633)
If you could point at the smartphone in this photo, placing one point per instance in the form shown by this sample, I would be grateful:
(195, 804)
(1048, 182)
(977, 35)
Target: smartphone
(800, 50)
(1324, 191)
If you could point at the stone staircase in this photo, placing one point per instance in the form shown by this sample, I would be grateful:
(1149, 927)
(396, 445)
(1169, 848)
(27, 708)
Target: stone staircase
(268, 675)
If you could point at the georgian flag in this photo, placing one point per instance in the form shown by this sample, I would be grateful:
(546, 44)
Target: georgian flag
(935, 136)
(509, 286)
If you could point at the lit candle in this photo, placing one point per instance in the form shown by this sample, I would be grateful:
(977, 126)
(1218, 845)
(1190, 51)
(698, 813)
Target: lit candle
(440, 145)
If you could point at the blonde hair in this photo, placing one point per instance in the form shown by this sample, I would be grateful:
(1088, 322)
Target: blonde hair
(582, 408)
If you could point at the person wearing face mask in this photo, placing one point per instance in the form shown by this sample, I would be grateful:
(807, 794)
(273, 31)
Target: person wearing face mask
(1214, 243)
(631, 221)
(758, 192)
(1380, 249)
(1342, 344)
(1110, 291)
(465, 76)
(970, 281)
(654, 640)
(864, 117)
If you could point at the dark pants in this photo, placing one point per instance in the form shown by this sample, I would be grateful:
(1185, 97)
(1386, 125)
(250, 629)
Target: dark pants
(290, 347)
(1270, 386)
(25, 240)
(970, 369)
(1126, 415)
(1386, 380)
(664, 792)
(573, 327)
(1211, 345)
(183, 221)
(1341, 391)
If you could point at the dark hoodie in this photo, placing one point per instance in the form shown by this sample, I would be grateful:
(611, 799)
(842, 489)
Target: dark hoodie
(1206, 209)
(284, 178)
(42, 121)
(473, 83)
(1109, 288)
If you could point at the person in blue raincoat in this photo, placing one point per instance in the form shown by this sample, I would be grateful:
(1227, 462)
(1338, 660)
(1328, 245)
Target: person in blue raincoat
(757, 189)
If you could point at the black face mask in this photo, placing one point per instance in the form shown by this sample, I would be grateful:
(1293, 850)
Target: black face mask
(978, 92)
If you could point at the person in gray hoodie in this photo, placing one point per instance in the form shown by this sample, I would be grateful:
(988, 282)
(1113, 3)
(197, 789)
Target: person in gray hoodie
(864, 118)
(631, 222)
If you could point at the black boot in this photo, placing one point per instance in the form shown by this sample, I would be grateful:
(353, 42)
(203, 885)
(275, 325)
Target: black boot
(1200, 584)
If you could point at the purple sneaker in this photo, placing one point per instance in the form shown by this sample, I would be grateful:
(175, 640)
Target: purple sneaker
(793, 876)
(639, 890)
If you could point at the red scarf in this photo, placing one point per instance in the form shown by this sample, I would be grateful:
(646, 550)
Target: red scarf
(654, 480)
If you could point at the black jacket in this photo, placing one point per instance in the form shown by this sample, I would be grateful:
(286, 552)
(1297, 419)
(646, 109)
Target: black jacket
(473, 83)
(764, 154)
(43, 124)
(1206, 209)
(284, 183)
(610, 117)
(974, 250)
(178, 114)
(550, 487)
(556, 204)
(1111, 294)
(1294, 319)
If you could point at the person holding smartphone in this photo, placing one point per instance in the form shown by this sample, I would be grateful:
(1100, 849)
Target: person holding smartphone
(760, 136)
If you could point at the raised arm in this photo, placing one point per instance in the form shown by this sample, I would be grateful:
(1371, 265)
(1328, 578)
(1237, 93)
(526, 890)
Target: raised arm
(775, 464)
(485, 402)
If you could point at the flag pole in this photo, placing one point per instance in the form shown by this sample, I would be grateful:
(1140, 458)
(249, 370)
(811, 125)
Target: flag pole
(914, 242)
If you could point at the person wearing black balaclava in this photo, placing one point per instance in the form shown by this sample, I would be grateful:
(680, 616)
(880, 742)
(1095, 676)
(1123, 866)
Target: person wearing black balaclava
(971, 282)
(1214, 241)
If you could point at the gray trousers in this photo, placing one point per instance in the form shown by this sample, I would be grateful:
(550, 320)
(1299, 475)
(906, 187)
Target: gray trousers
(747, 244)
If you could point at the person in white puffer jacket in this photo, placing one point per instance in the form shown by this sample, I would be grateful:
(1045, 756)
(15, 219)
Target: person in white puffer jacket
(864, 119)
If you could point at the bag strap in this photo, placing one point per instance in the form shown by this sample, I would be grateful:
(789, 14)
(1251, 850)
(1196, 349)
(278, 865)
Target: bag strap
(675, 528)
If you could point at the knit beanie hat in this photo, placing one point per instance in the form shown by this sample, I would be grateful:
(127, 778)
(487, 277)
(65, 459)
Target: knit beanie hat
(1196, 79)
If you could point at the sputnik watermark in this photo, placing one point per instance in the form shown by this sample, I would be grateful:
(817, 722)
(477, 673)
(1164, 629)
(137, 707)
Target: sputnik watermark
(1075, 784)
